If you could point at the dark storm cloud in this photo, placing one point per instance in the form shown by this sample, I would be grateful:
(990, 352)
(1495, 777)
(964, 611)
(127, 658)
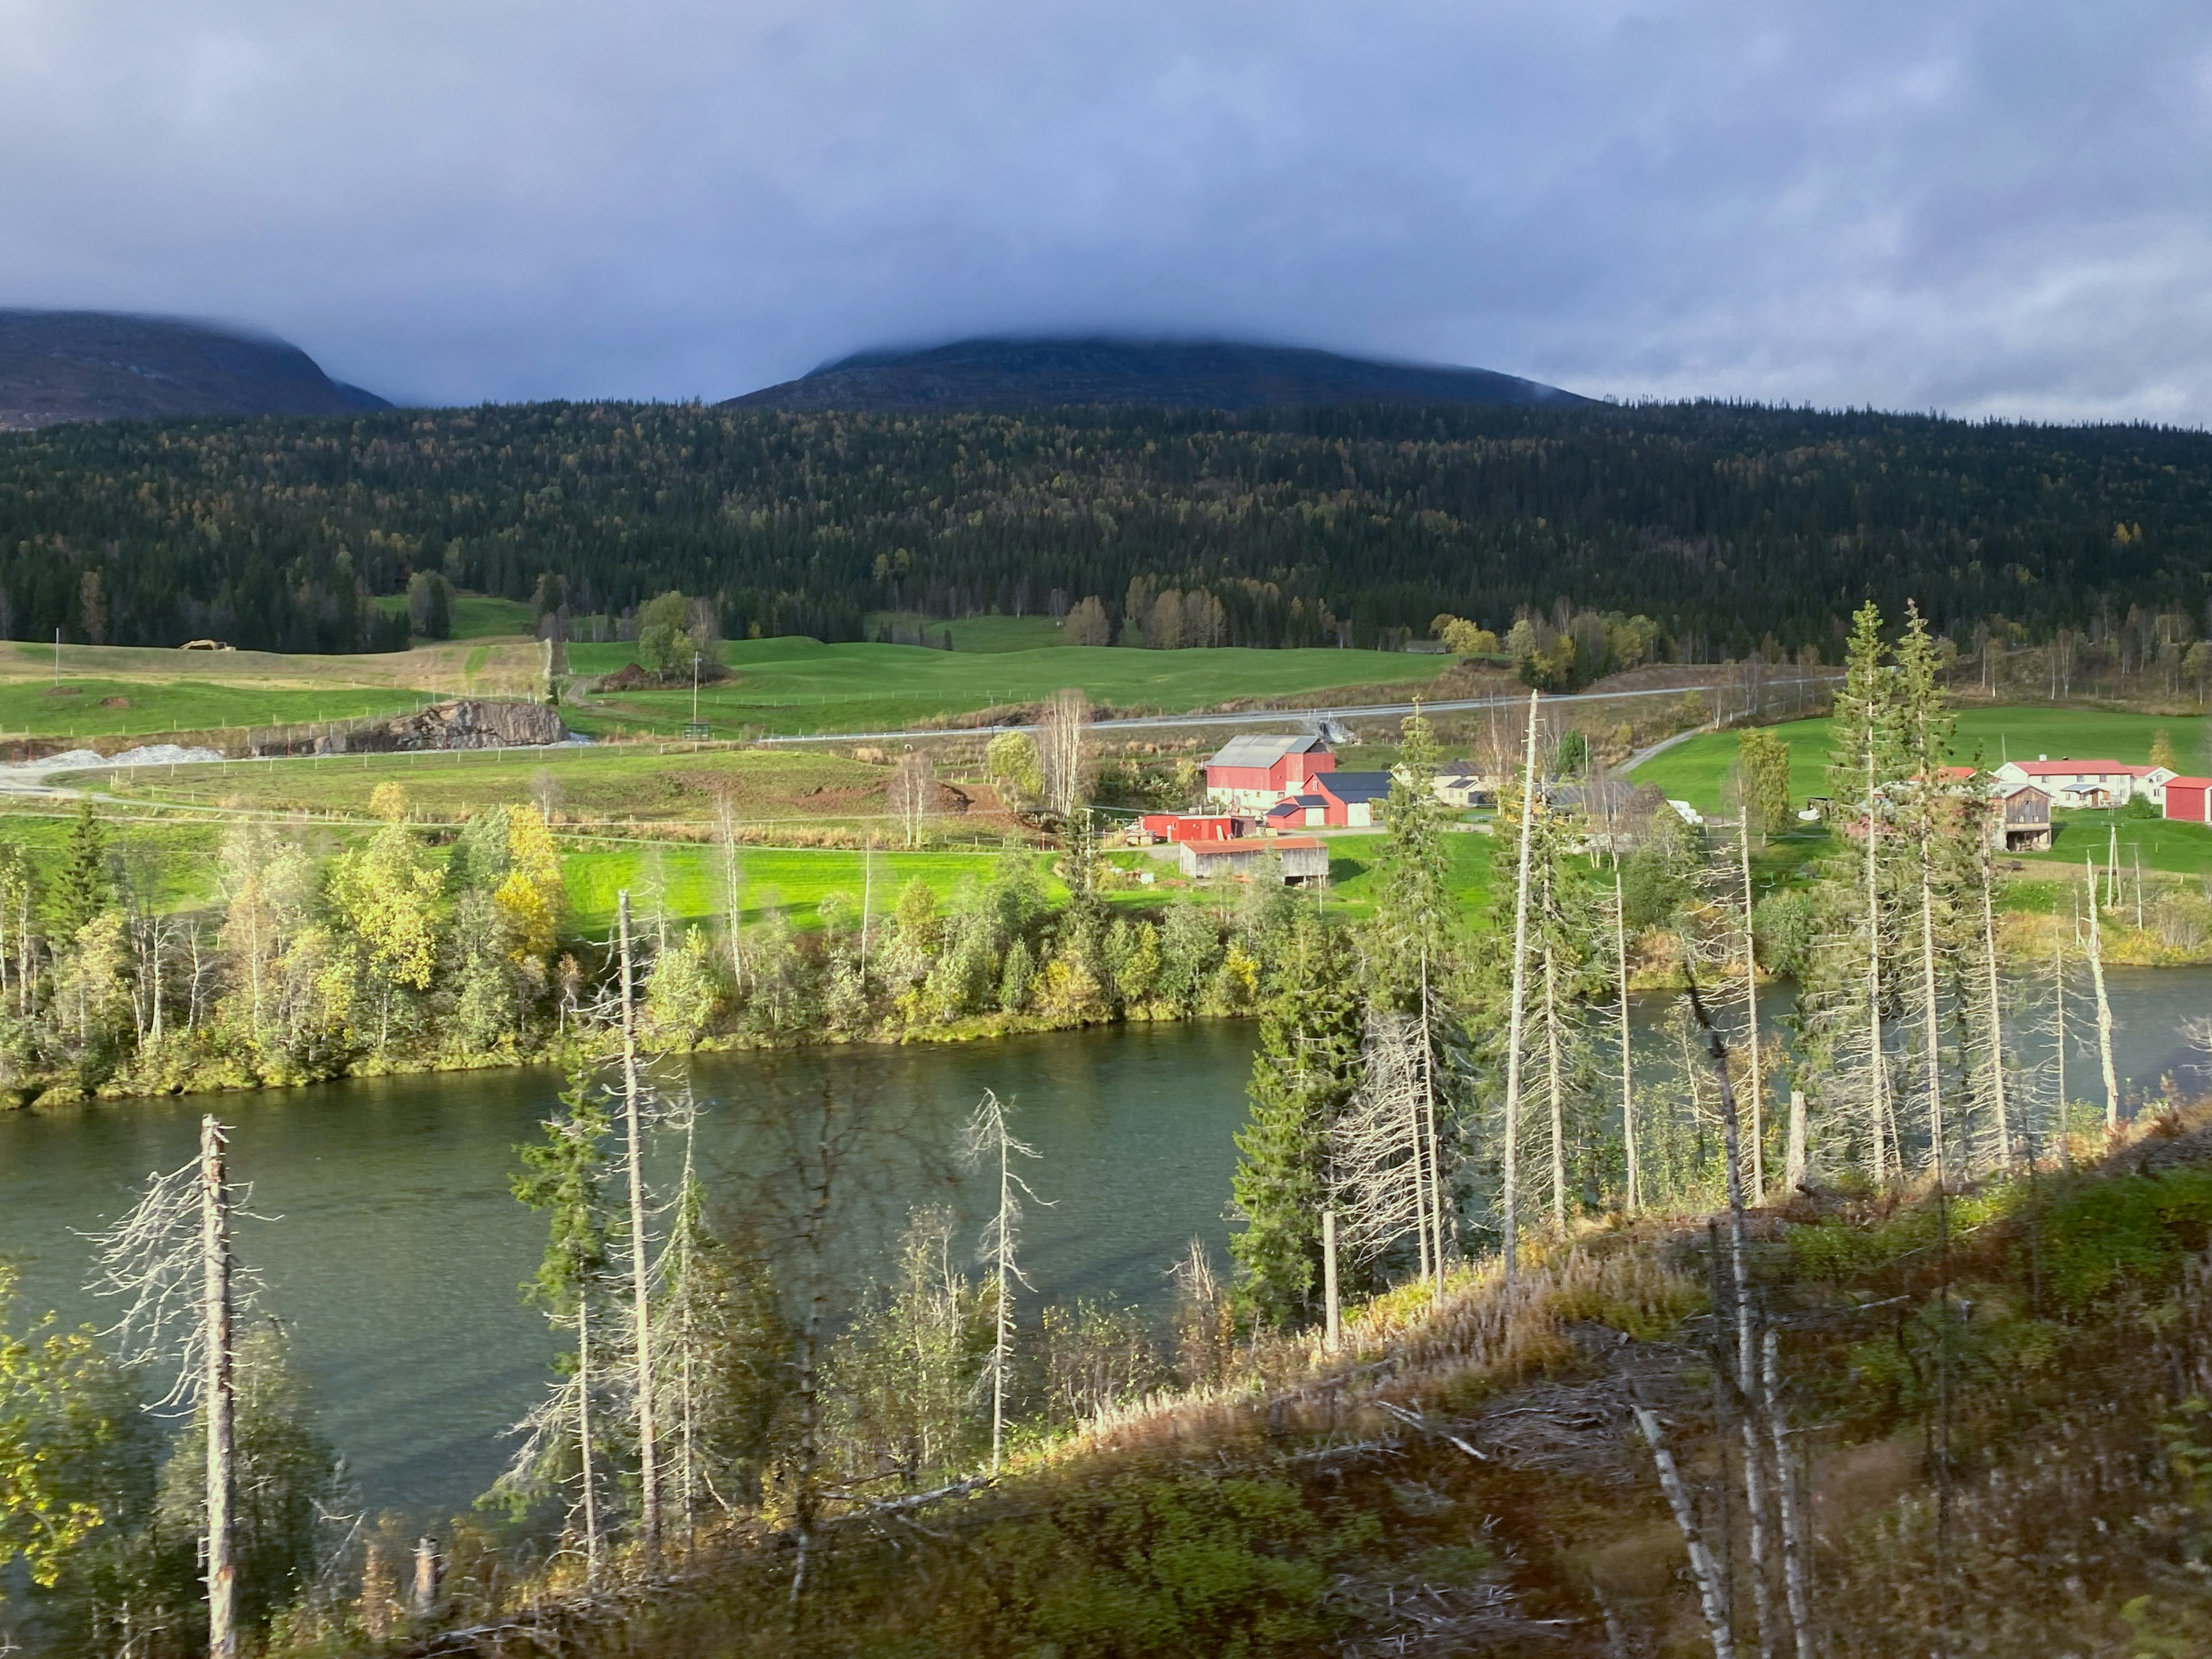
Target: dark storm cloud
(1986, 209)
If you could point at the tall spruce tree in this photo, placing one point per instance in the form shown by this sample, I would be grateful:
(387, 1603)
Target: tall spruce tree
(1413, 933)
(564, 1176)
(87, 885)
(1307, 1067)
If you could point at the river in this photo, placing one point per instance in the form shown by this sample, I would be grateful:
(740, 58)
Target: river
(390, 1246)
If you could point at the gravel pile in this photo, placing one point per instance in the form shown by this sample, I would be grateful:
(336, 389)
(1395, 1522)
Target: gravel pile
(86, 760)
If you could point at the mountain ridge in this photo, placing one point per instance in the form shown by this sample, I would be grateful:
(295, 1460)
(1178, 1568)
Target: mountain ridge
(999, 372)
(62, 365)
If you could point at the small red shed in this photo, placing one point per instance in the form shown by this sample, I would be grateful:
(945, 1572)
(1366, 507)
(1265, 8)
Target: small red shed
(2189, 799)
(1192, 826)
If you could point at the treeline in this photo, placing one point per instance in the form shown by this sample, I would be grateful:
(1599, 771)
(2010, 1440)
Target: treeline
(422, 948)
(1733, 528)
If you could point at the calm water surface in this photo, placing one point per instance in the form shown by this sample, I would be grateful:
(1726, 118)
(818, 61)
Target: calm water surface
(395, 1251)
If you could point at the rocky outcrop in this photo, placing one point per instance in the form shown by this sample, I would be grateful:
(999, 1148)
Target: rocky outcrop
(465, 723)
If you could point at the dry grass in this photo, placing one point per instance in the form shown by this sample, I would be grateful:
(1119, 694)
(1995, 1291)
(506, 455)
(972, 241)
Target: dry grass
(1469, 1450)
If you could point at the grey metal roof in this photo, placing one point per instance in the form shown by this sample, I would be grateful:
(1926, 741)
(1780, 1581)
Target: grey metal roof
(1264, 752)
(1349, 787)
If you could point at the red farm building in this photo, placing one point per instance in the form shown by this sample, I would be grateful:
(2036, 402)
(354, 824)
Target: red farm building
(2189, 799)
(1253, 773)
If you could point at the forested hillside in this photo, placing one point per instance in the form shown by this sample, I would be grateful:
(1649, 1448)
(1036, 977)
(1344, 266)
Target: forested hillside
(1725, 524)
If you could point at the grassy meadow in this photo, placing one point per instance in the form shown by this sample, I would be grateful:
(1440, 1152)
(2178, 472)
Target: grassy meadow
(634, 783)
(687, 881)
(1697, 770)
(972, 633)
(798, 685)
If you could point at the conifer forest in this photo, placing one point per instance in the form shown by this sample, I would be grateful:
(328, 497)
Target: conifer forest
(1732, 526)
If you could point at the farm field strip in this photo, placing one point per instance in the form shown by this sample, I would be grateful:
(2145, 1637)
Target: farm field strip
(803, 686)
(1697, 770)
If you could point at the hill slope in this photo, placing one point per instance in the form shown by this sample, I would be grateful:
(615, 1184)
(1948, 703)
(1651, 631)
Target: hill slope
(1010, 374)
(1310, 526)
(58, 365)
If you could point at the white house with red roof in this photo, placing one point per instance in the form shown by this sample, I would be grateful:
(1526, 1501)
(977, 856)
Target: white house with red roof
(2079, 783)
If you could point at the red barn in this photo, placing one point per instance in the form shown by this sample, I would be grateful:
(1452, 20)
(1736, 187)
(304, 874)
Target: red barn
(2189, 799)
(1255, 773)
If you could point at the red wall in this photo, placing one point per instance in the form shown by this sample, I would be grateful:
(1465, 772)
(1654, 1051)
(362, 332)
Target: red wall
(2188, 801)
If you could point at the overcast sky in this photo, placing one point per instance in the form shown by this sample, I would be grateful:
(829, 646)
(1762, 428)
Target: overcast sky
(1983, 208)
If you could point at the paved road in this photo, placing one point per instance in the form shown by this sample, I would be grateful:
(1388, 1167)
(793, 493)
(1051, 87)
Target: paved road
(1254, 717)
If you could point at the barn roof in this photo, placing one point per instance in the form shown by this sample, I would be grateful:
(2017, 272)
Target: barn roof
(1265, 751)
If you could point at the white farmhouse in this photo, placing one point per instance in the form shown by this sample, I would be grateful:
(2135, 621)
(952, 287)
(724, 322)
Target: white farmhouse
(2079, 783)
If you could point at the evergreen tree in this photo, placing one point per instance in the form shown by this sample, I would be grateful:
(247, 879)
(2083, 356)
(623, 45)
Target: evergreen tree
(87, 885)
(1307, 1067)
(564, 1176)
(1411, 938)
(1865, 716)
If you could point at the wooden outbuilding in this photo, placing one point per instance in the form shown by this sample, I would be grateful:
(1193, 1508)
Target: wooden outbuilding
(2023, 823)
(1304, 859)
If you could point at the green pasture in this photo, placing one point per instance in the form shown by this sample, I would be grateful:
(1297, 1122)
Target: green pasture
(473, 615)
(798, 685)
(986, 633)
(688, 882)
(99, 707)
(2176, 848)
(1352, 876)
(627, 782)
(1697, 770)
(1353, 880)
(177, 863)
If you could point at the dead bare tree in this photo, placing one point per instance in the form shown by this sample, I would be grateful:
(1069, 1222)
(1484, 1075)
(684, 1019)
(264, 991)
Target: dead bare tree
(2104, 1011)
(1881, 1145)
(1712, 1591)
(635, 1106)
(1796, 1595)
(733, 885)
(911, 795)
(1751, 993)
(1627, 1070)
(171, 1255)
(1063, 739)
(1746, 1362)
(1508, 1219)
(1383, 1146)
(988, 1138)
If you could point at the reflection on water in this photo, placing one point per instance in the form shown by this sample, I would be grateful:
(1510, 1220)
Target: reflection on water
(397, 1253)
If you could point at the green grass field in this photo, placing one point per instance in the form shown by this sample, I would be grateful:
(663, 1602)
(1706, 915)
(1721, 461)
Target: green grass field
(176, 860)
(1351, 877)
(689, 882)
(2179, 848)
(802, 685)
(1697, 770)
(84, 707)
(473, 615)
(984, 634)
(614, 782)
